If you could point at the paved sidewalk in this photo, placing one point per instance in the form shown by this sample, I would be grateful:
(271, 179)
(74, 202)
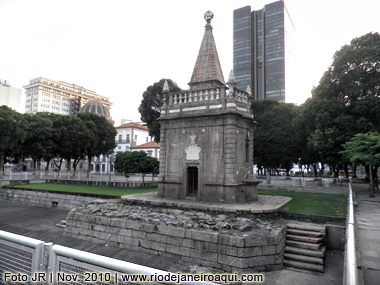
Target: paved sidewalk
(367, 215)
(40, 223)
(264, 203)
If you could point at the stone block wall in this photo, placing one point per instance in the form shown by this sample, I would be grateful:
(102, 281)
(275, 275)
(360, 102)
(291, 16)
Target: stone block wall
(246, 252)
(45, 199)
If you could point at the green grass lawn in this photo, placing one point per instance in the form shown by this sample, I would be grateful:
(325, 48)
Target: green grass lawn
(312, 203)
(305, 203)
(85, 189)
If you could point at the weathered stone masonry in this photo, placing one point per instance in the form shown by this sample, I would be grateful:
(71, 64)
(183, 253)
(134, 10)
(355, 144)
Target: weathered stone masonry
(46, 199)
(231, 251)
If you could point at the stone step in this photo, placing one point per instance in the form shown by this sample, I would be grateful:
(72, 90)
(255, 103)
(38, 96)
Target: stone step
(304, 233)
(305, 238)
(304, 258)
(299, 244)
(313, 253)
(303, 265)
(307, 227)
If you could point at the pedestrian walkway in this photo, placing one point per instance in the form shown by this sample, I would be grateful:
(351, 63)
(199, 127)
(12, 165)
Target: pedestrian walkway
(367, 215)
(40, 223)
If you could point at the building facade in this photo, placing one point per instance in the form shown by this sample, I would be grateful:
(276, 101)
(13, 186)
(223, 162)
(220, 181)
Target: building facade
(11, 97)
(264, 47)
(130, 137)
(46, 95)
(207, 135)
(151, 148)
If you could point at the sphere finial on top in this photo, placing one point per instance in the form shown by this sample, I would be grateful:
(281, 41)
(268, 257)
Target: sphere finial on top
(208, 16)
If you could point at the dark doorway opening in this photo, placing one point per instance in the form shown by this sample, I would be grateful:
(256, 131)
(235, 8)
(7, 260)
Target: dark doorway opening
(192, 181)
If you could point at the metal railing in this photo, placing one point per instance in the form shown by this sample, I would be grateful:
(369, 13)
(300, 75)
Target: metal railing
(23, 258)
(322, 182)
(20, 255)
(350, 271)
(85, 176)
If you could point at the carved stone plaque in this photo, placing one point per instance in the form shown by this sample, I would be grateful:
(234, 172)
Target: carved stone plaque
(192, 149)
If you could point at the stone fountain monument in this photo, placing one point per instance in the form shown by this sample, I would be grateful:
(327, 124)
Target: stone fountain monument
(205, 210)
(207, 135)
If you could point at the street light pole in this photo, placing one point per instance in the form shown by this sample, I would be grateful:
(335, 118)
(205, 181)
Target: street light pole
(110, 159)
(372, 192)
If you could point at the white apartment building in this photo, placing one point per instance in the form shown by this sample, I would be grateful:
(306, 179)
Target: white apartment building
(130, 137)
(47, 95)
(151, 148)
(11, 96)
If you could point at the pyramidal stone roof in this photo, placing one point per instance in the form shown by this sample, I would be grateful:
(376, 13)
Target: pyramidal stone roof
(207, 71)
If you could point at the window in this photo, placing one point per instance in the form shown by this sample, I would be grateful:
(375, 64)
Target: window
(120, 138)
(147, 139)
(128, 138)
(150, 152)
(103, 168)
(135, 137)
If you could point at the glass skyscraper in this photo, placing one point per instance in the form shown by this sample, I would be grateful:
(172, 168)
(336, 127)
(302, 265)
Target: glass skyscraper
(263, 50)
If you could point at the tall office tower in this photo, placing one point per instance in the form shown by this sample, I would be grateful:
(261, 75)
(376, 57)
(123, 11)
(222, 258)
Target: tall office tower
(264, 50)
(46, 95)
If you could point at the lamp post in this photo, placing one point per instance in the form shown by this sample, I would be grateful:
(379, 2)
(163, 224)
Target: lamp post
(110, 160)
(371, 186)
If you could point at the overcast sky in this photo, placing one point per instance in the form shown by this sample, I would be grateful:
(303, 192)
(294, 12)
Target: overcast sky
(118, 48)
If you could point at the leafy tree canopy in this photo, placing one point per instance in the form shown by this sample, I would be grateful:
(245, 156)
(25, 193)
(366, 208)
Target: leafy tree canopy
(103, 131)
(150, 107)
(274, 144)
(354, 73)
(363, 148)
(135, 162)
(39, 132)
(12, 133)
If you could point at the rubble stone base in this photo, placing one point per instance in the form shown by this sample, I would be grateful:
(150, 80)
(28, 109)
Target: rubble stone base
(245, 252)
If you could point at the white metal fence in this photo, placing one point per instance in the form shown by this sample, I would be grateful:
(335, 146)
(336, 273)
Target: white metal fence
(113, 177)
(323, 182)
(19, 255)
(25, 260)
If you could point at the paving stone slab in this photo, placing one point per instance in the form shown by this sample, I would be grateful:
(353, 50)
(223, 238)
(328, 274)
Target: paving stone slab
(264, 203)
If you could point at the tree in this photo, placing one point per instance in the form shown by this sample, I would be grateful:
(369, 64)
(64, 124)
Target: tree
(56, 139)
(76, 138)
(354, 73)
(346, 101)
(135, 162)
(303, 127)
(38, 140)
(11, 133)
(71, 139)
(103, 133)
(150, 107)
(274, 144)
(364, 148)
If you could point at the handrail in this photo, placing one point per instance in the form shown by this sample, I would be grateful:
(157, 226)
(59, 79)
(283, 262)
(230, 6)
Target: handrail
(118, 265)
(46, 259)
(351, 273)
